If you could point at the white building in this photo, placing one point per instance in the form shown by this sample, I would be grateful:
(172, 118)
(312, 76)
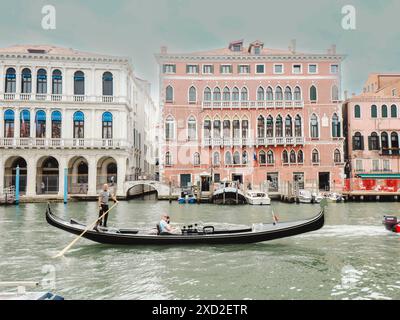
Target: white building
(65, 109)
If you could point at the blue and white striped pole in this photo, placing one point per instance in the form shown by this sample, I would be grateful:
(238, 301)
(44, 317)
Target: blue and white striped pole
(65, 185)
(17, 175)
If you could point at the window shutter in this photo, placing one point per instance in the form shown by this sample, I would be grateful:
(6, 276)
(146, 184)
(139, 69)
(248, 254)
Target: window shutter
(354, 143)
(362, 143)
(370, 146)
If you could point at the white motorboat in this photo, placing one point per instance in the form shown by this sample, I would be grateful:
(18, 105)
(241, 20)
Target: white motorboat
(317, 197)
(334, 197)
(305, 196)
(228, 193)
(258, 198)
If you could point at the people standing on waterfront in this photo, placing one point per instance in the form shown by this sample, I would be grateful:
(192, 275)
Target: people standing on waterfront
(104, 198)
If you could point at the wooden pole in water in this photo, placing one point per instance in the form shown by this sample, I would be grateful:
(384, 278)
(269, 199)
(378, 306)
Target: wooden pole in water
(198, 192)
(223, 195)
(170, 191)
(237, 192)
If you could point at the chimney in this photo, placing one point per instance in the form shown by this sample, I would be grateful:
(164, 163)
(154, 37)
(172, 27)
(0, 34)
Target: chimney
(292, 46)
(333, 49)
(164, 50)
(346, 94)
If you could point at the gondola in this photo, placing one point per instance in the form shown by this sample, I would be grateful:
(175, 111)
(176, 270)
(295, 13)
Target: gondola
(191, 235)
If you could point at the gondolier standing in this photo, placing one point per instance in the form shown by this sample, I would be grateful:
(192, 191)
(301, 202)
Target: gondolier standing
(104, 197)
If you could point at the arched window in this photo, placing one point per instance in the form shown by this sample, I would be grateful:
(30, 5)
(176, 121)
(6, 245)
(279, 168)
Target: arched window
(236, 158)
(336, 132)
(108, 84)
(260, 94)
(288, 127)
(358, 141)
(168, 159)
(107, 125)
(40, 124)
(56, 125)
(25, 124)
(335, 93)
(169, 94)
(216, 159)
(357, 111)
(56, 82)
(385, 142)
(244, 95)
(245, 157)
(292, 156)
(278, 93)
(374, 111)
(227, 129)
(196, 159)
(270, 127)
(192, 129)
(313, 94)
(279, 127)
(207, 94)
(270, 157)
(337, 156)
(217, 94)
(300, 157)
(288, 94)
(170, 129)
(79, 83)
(235, 94)
(217, 128)
(226, 94)
(285, 156)
(228, 158)
(207, 129)
(314, 126)
(394, 137)
(270, 94)
(373, 143)
(9, 118)
(11, 79)
(393, 111)
(298, 128)
(245, 129)
(26, 81)
(384, 111)
(262, 158)
(261, 127)
(41, 82)
(297, 94)
(236, 128)
(79, 125)
(315, 157)
(192, 95)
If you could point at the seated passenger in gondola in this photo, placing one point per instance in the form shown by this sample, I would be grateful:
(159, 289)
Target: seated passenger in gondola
(164, 227)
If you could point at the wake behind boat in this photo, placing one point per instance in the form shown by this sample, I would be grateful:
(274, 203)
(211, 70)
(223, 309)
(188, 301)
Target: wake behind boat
(205, 235)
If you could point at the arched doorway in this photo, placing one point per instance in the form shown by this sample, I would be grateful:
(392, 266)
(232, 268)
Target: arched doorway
(107, 172)
(78, 175)
(47, 178)
(10, 172)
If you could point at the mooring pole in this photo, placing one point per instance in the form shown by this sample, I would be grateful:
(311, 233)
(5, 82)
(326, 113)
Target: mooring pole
(17, 185)
(65, 185)
(237, 192)
(170, 191)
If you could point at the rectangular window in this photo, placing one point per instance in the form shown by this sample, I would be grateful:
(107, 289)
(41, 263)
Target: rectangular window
(312, 68)
(297, 69)
(260, 68)
(394, 92)
(278, 68)
(226, 69)
(386, 165)
(244, 69)
(237, 47)
(334, 68)
(273, 182)
(257, 50)
(169, 68)
(192, 69)
(208, 69)
(359, 166)
(217, 178)
(375, 165)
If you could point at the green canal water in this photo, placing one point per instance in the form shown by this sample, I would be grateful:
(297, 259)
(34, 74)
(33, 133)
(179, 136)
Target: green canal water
(352, 257)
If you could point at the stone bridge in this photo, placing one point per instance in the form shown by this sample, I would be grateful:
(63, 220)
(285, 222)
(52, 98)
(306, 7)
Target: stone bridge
(162, 189)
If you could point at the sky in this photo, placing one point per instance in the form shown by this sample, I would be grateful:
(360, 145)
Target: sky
(138, 28)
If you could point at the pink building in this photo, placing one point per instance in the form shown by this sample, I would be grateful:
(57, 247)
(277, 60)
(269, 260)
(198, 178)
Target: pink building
(373, 127)
(252, 114)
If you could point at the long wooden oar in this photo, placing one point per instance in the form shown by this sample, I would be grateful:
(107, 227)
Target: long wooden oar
(86, 230)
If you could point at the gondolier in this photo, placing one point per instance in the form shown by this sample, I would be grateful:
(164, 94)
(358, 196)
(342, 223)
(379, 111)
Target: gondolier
(104, 198)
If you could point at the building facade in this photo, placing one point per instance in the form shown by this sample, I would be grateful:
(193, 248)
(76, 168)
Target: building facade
(62, 109)
(252, 114)
(373, 127)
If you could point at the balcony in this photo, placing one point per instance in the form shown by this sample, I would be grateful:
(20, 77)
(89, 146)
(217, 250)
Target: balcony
(240, 142)
(23, 97)
(42, 143)
(253, 104)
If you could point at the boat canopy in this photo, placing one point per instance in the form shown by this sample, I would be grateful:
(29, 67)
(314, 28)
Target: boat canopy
(379, 176)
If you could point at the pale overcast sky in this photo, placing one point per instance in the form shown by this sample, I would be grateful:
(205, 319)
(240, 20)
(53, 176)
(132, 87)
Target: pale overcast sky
(137, 28)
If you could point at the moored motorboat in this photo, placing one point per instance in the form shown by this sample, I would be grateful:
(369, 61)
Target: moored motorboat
(228, 193)
(334, 197)
(258, 198)
(317, 197)
(305, 196)
(204, 235)
(391, 223)
(187, 196)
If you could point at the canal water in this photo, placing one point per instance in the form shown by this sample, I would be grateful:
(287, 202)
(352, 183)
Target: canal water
(352, 257)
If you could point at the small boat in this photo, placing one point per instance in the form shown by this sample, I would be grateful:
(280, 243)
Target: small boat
(317, 197)
(305, 196)
(204, 235)
(334, 197)
(22, 294)
(258, 198)
(228, 193)
(187, 196)
(391, 223)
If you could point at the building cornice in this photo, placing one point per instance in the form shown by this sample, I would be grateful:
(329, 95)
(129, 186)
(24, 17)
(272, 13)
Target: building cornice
(372, 99)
